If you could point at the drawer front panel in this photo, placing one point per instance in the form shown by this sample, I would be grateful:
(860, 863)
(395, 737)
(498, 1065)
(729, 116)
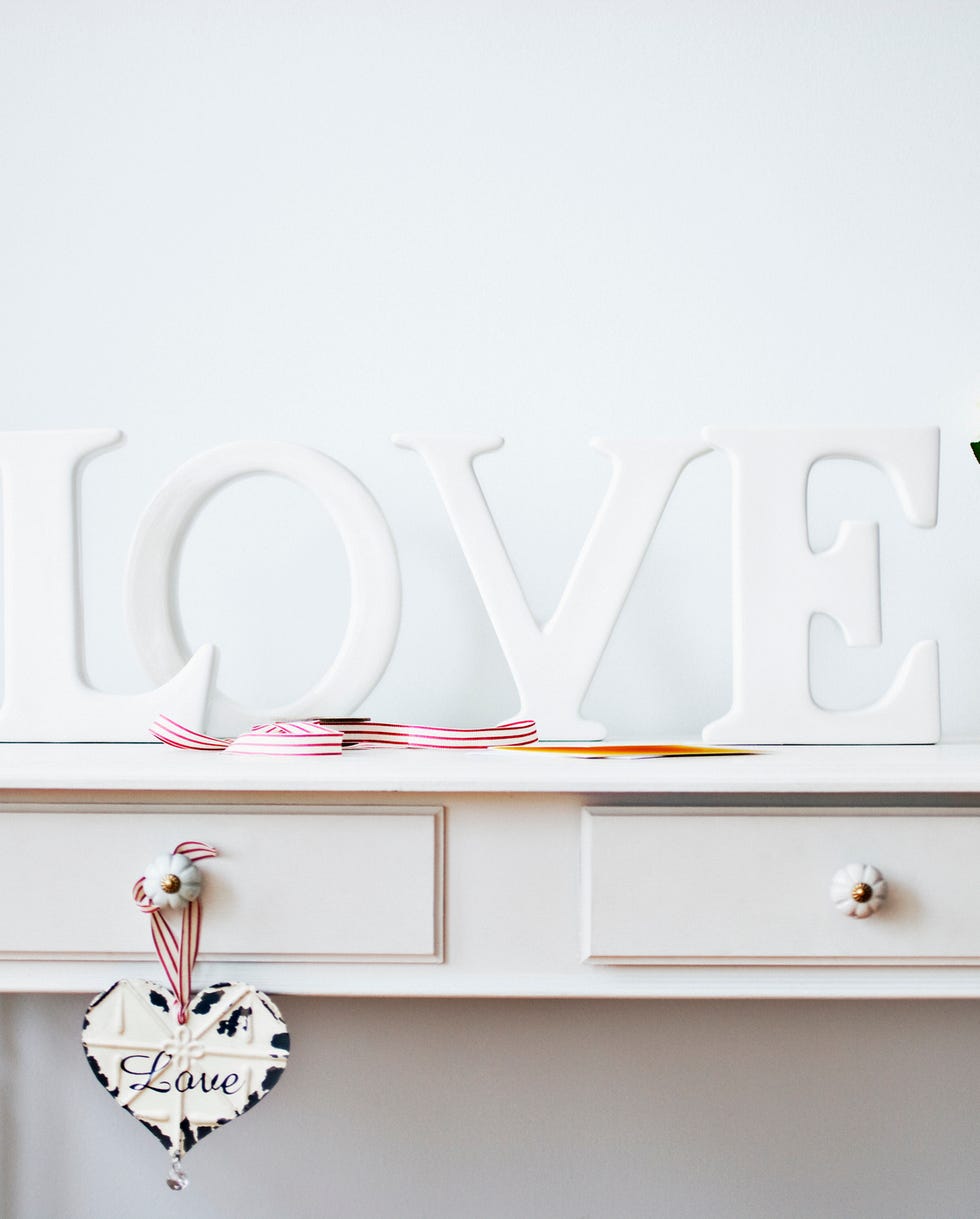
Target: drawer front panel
(344, 884)
(731, 888)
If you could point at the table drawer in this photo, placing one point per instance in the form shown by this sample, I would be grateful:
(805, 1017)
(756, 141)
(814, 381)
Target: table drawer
(348, 883)
(754, 887)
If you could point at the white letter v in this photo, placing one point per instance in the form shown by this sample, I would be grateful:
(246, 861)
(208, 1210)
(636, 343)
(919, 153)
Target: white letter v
(554, 664)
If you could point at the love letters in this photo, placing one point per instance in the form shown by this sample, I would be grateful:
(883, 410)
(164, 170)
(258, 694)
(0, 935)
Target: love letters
(779, 583)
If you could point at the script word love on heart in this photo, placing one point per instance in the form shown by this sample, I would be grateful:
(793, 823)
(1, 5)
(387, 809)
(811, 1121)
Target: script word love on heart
(183, 1080)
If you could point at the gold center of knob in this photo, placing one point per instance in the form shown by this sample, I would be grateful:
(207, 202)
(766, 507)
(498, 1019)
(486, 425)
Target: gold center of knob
(171, 884)
(861, 892)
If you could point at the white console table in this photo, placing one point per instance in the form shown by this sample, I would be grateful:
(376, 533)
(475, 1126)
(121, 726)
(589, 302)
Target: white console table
(392, 872)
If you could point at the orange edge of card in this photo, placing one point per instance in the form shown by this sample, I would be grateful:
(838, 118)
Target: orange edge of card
(597, 750)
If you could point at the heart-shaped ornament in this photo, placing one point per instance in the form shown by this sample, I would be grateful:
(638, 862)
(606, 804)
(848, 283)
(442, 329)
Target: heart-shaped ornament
(183, 1080)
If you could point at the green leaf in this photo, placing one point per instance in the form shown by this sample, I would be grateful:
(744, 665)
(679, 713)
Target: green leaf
(975, 446)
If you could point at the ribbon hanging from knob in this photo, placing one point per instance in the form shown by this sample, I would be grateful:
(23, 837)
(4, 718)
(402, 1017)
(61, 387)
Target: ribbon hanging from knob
(174, 882)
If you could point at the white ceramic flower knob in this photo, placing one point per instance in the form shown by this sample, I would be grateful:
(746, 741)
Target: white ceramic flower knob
(858, 889)
(172, 881)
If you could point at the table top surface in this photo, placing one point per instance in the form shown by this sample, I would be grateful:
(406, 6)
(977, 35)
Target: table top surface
(948, 768)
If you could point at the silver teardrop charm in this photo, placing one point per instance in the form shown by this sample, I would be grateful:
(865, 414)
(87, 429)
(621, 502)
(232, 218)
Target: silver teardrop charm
(176, 1178)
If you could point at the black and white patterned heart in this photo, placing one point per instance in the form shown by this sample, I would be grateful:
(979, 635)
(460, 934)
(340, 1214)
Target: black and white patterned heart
(183, 1080)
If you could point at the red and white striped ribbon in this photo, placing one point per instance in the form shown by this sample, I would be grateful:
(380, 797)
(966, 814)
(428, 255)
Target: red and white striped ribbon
(177, 957)
(421, 736)
(319, 737)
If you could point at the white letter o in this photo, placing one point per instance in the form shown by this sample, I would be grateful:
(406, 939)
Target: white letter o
(375, 585)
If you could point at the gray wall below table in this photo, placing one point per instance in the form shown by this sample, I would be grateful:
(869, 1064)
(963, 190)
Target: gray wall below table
(508, 1109)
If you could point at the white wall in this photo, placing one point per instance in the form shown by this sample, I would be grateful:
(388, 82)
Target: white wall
(490, 1109)
(323, 223)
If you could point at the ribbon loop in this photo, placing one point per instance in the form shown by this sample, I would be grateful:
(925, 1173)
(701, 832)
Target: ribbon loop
(177, 956)
(318, 737)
